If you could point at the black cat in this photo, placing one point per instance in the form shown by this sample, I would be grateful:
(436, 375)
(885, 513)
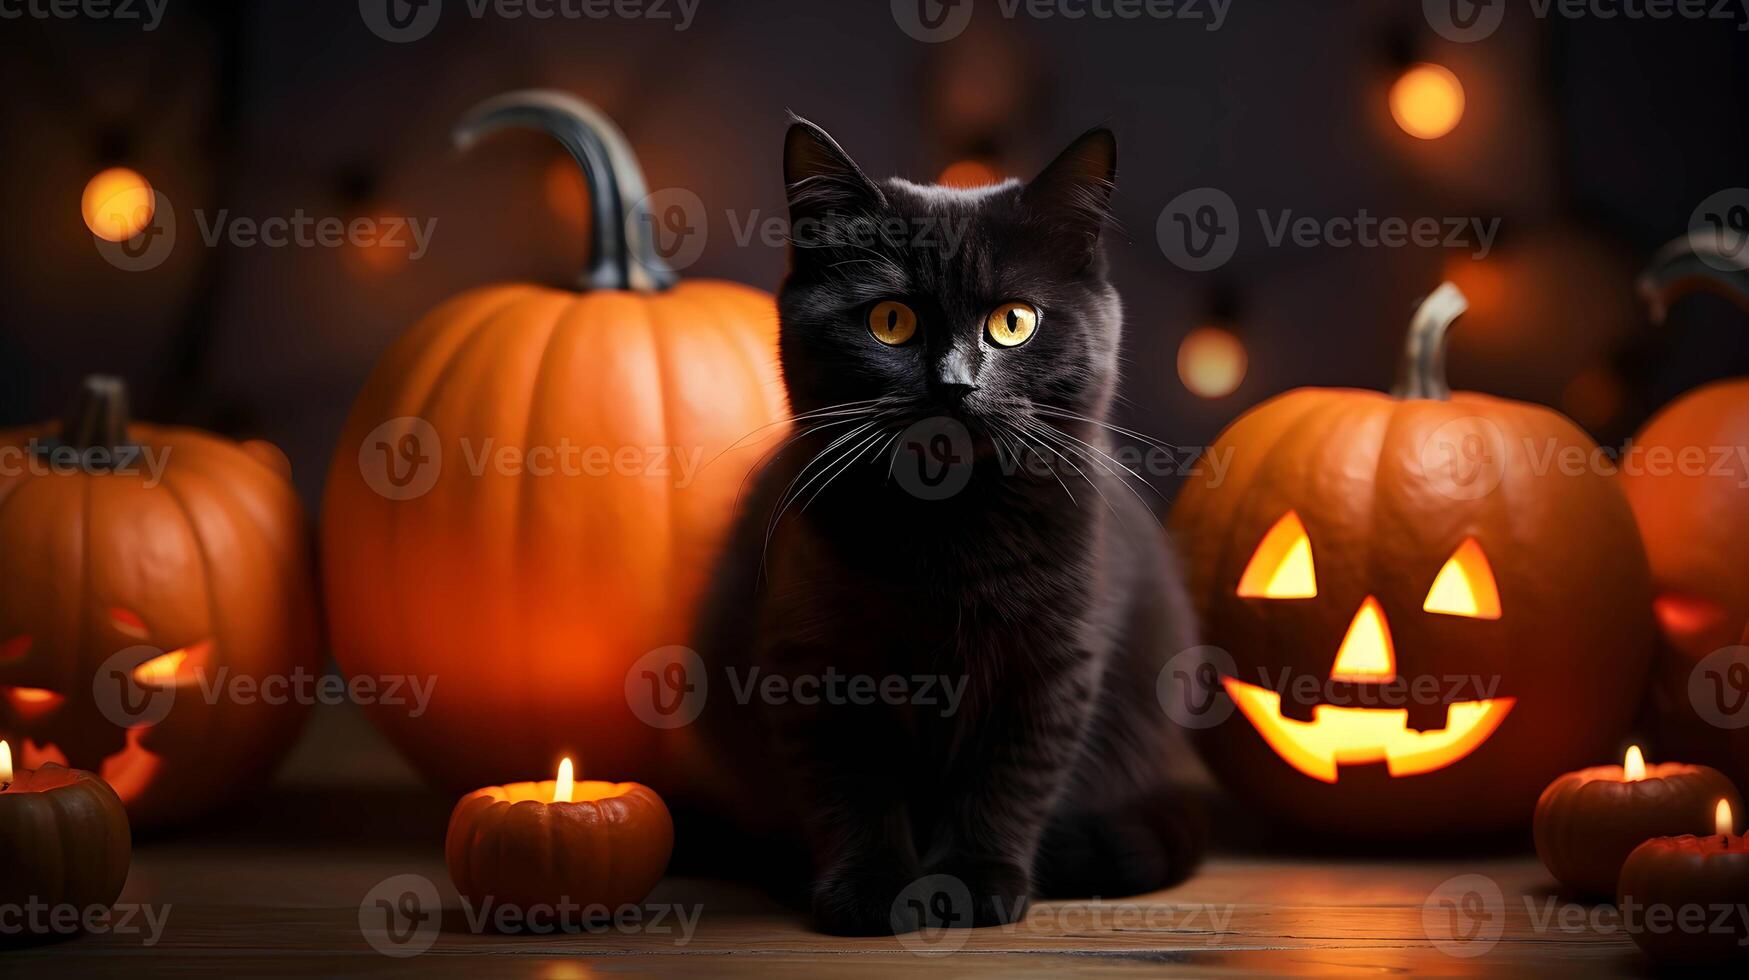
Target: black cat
(946, 610)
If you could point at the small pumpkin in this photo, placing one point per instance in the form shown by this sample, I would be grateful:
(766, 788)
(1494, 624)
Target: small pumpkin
(605, 844)
(67, 844)
(1687, 490)
(146, 566)
(529, 593)
(1425, 624)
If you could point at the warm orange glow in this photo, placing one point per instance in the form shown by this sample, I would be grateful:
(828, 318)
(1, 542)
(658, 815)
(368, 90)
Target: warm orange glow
(1634, 766)
(1723, 818)
(567, 195)
(563, 788)
(127, 621)
(1367, 654)
(5, 762)
(15, 647)
(117, 204)
(969, 173)
(32, 703)
(176, 667)
(1363, 736)
(1427, 101)
(1465, 586)
(1211, 362)
(1281, 567)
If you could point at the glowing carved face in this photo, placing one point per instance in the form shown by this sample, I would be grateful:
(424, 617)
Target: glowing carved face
(1282, 569)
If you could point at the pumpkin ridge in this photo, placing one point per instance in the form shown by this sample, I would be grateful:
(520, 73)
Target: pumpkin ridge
(476, 334)
(216, 624)
(659, 355)
(524, 487)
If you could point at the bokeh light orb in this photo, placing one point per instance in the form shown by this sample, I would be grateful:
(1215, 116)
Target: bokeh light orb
(117, 204)
(1427, 101)
(1211, 362)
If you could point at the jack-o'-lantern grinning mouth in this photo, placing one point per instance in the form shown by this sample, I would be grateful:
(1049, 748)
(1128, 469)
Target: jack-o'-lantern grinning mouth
(1337, 736)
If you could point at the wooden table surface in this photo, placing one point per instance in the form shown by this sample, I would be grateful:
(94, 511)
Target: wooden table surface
(252, 906)
(277, 887)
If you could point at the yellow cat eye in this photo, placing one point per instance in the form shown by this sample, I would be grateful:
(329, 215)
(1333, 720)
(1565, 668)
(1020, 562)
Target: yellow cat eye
(1012, 324)
(892, 322)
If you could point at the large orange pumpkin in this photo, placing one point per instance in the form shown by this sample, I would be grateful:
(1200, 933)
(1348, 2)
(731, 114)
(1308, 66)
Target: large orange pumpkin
(1421, 618)
(1688, 482)
(530, 491)
(157, 606)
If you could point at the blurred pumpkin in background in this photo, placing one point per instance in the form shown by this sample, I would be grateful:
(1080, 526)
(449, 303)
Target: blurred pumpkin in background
(146, 569)
(1420, 617)
(530, 491)
(1688, 482)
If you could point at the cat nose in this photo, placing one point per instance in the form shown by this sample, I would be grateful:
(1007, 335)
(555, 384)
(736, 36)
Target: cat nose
(955, 391)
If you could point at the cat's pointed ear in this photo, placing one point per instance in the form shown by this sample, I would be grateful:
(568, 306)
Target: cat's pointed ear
(820, 178)
(1072, 196)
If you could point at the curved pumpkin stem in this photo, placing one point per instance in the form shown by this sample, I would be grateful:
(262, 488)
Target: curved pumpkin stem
(1423, 371)
(99, 417)
(622, 250)
(1695, 263)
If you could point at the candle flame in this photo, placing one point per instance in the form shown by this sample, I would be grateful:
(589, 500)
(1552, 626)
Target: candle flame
(562, 788)
(1725, 819)
(1634, 766)
(5, 763)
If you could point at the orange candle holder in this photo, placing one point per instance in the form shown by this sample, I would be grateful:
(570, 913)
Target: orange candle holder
(1588, 822)
(64, 844)
(1681, 898)
(558, 844)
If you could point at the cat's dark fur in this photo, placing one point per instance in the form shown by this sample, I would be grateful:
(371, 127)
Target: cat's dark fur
(1045, 587)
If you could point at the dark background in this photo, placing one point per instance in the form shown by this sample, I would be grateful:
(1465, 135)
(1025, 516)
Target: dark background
(1593, 140)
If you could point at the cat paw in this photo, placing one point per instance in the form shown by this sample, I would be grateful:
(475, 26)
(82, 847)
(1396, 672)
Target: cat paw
(997, 890)
(862, 901)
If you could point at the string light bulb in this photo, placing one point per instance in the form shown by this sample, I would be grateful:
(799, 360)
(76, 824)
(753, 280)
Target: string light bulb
(117, 204)
(1427, 100)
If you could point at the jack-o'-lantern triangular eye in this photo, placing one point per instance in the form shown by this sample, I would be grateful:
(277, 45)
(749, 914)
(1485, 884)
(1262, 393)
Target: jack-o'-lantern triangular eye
(1281, 567)
(1465, 586)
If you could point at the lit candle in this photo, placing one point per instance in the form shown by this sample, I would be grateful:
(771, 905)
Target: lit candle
(1681, 898)
(555, 844)
(1587, 822)
(64, 844)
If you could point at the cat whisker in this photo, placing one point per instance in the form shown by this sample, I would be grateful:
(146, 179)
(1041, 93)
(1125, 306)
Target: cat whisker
(1045, 431)
(1166, 447)
(1036, 441)
(790, 494)
(848, 460)
(1042, 432)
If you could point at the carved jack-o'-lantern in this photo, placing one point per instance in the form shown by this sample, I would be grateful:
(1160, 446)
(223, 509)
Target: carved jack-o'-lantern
(145, 569)
(1432, 602)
